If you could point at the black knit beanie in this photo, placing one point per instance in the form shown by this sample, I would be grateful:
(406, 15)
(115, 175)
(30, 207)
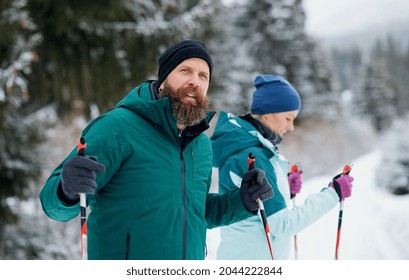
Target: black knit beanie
(180, 51)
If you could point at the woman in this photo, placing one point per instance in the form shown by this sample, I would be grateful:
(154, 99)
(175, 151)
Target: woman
(274, 108)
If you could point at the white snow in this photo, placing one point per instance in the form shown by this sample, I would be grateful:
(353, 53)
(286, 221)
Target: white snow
(374, 225)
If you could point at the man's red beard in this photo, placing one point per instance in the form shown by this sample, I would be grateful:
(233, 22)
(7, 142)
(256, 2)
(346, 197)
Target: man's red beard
(185, 113)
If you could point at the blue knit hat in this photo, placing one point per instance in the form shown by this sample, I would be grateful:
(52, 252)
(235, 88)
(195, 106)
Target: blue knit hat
(180, 51)
(274, 94)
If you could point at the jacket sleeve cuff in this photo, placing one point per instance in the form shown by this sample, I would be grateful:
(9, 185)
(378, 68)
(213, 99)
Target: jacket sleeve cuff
(63, 198)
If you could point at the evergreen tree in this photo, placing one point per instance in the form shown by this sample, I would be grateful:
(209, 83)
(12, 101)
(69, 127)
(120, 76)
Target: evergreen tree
(19, 163)
(348, 66)
(380, 105)
(395, 158)
(234, 72)
(72, 54)
(399, 73)
(383, 76)
(96, 51)
(377, 99)
(271, 33)
(318, 85)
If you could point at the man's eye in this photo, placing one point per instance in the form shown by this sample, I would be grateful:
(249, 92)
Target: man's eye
(204, 76)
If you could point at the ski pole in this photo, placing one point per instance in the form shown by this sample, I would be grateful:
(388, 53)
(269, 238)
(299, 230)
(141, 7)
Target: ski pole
(251, 161)
(295, 168)
(83, 207)
(345, 171)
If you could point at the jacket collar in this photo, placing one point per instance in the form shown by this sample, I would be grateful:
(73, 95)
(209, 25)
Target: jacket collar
(143, 100)
(267, 133)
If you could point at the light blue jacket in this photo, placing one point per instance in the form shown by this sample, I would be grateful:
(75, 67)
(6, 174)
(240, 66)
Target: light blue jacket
(232, 141)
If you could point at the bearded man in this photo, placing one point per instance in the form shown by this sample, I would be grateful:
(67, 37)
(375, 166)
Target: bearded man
(148, 167)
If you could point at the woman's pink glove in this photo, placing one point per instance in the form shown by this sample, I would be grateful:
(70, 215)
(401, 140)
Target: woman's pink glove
(295, 181)
(342, 185)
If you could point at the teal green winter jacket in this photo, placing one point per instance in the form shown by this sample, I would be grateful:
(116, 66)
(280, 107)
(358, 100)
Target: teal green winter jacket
(233, 139)
(153, 200)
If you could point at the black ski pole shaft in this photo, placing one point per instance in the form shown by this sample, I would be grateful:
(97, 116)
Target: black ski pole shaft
(345, 171)
(251, 162)
(83, 207)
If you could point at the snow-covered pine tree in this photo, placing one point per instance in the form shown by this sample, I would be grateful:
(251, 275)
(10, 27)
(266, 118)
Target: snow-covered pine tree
(271, 37)
(89, 52)
(96, 52)
(233, 72)
(19, 162)
(377, 99)
(393, 172)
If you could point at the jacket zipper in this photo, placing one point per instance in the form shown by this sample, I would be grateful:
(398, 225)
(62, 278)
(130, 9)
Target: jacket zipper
(183, 197)
(127, 246)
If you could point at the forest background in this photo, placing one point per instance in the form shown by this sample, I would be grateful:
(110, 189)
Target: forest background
(63, 63)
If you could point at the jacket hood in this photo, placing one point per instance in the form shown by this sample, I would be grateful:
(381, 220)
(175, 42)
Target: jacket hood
(231, 136)
(140, 101)
(158, 112)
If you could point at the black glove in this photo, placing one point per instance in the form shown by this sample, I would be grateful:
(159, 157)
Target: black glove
(78, 176)
(253, 187)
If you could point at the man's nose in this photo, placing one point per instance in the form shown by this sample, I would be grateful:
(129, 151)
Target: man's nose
(194, 80)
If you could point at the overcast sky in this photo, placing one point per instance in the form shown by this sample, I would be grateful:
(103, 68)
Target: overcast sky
(339, 18)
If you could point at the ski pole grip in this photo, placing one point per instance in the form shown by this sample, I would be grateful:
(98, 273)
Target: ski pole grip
(251, 161)
(81, 152)
(347, 169)
(81, 147)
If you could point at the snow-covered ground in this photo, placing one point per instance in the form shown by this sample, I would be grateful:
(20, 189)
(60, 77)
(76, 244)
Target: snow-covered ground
(375, 223)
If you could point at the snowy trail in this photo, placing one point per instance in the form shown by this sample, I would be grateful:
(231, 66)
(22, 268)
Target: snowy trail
(368, 222)
(374, 225)
(370, 230)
